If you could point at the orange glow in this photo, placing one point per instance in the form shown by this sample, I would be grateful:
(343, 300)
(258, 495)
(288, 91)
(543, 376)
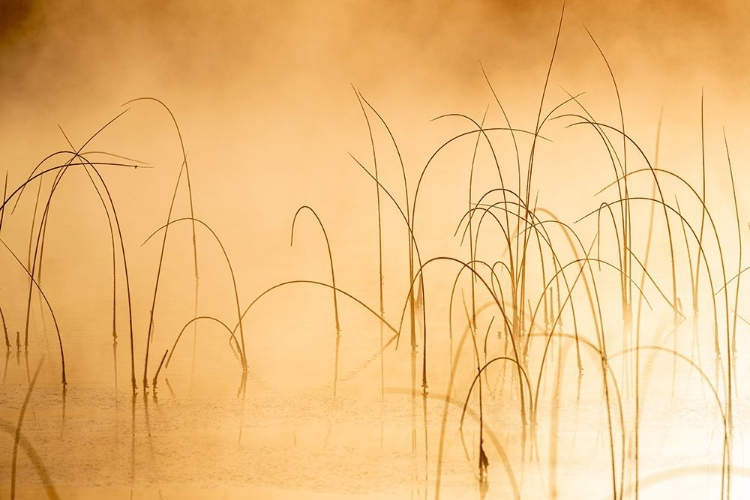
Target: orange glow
(374, 249)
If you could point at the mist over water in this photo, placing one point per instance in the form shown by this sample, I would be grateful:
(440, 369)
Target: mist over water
(582, 334)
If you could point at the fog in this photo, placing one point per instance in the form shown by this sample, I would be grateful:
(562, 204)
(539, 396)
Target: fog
(266, 107)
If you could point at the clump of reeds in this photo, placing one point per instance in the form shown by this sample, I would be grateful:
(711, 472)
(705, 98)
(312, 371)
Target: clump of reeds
(539, 289)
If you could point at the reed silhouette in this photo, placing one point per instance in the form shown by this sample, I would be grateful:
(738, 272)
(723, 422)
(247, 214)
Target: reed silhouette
(528, 292)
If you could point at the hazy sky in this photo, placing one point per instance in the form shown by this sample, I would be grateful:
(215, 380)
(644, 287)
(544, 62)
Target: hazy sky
(51, 50)
(253, 66)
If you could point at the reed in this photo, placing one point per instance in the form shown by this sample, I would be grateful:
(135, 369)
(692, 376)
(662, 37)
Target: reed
(5, 330)
(380, 235)
(114, 226)
(193, 221)
(333, 286)
(183, 169)
(532, 286)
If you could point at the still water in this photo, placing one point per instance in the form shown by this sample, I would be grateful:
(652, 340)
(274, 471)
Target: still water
(196, 437)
